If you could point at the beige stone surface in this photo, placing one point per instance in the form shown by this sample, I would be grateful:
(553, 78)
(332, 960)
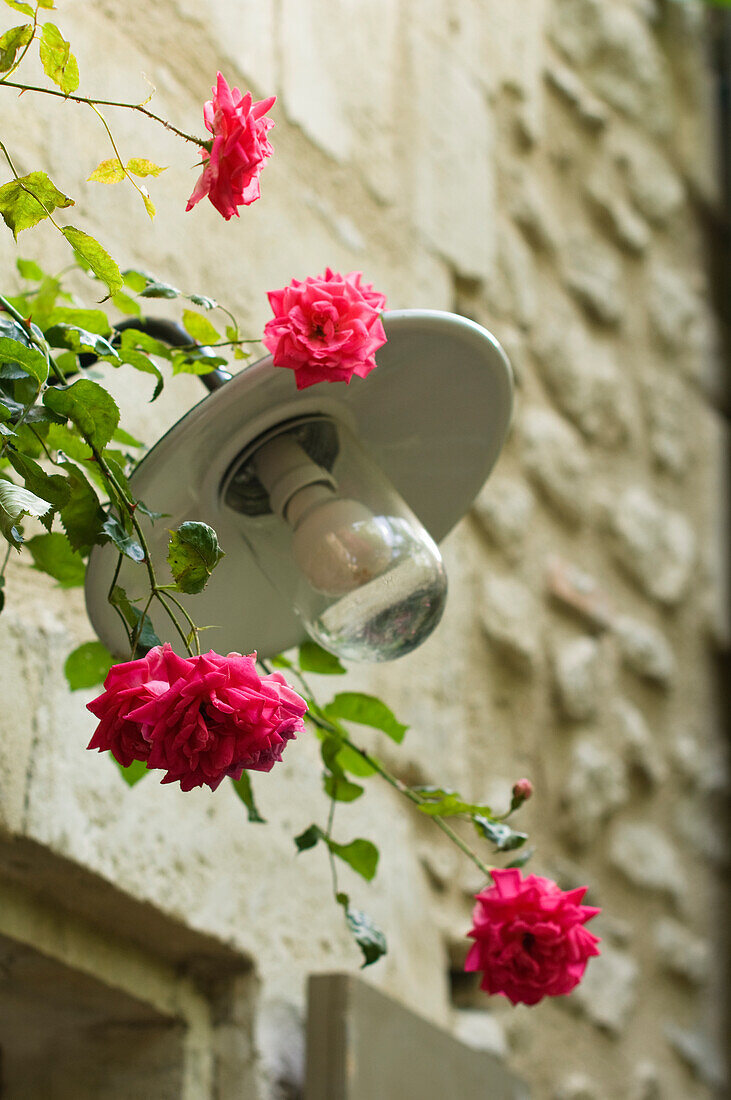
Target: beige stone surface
(529, 164)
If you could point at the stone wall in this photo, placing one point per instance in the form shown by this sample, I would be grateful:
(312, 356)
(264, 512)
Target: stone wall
(546, 168)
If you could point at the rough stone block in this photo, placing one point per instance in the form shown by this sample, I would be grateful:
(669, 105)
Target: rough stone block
(608, 991)
(645, 856)
(655, 544)
(645, 650)
(504, 510)
(555, 459)
(576, 669)
(681, 952)
(594, 276)
(596, 787)
(511, 621)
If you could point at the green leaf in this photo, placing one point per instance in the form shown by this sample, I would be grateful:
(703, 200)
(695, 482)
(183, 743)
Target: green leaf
(31, 360)
(93, 320)
(52, 554)
(60, 437)
(148, 638)
(87, 665)
(124, 542)
(136, 338)
(351, 761)
(280, 661)
(313, 658)
(243, 790)
(82, 517)
(360, 854)
(121, 436)
(196, 361)
(50, 487)
(137, 770)
(309, 838)
(340, 789)
(199, 327)
(193, 554)
(501, 835)
(15, 503)
(26, 201)
(136, 280)
(154, 289)
(29, 269)
(58, 62)
(367, 710)
(19, 5)
(203, 301)
(89, 407)
(139, 166)
(125, 304)
(522, 859)
(78, 339)
(98, 259)
(366, 933)
(139, 361)
(12, 41)
(108, 171)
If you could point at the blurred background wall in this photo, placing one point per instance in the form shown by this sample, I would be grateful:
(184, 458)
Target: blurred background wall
(548, 168)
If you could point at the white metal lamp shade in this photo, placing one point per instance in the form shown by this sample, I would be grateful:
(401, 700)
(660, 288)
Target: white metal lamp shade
(433, 417)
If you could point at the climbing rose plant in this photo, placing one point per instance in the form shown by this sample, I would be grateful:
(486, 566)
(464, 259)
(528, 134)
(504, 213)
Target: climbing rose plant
(65, 465)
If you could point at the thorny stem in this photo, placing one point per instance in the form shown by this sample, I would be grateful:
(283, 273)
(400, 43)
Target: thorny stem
(107, 103)
(392, 780)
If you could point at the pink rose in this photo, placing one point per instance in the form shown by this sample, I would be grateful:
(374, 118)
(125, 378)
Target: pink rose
(530, 939)
(230, 177)
(326, 329)
(199, 719)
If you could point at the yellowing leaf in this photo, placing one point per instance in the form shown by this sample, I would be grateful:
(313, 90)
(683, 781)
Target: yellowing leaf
(58, 62)
(28, 200)
(138, 166)
(12, 41)
(109, 171)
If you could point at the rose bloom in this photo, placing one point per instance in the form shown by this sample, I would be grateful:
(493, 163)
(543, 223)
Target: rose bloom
(199, 719)
(230, 177)
(326, 329)
(530, 940)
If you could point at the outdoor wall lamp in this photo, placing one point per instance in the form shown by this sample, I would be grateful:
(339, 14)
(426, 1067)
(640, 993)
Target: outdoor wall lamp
(315, 494)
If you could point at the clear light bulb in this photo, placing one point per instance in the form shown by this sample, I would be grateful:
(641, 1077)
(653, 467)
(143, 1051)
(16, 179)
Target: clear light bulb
(361, 571)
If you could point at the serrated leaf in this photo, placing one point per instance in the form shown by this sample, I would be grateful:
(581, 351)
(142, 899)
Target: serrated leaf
(12, 41)
(79, 339)
(367, 710)
(89, 407)
(360, 854)
(16, 502)
(132, 338)
(203, 301)
(29, 269)
(244, 791)
(366, 933)
(52, 554)
(60, 437)
(28, 200)
(97, 257)
(193, 554)
(58, 62)
(501, 835)
(140, 166)
(82, 517)
(107, 171)
(160, 290)
(31, 360)
(133, 772)
(148, 639)
(340, 789)
(126, 545)
(199, 327)
(50, 487)
(87, 665)
(313, 658)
